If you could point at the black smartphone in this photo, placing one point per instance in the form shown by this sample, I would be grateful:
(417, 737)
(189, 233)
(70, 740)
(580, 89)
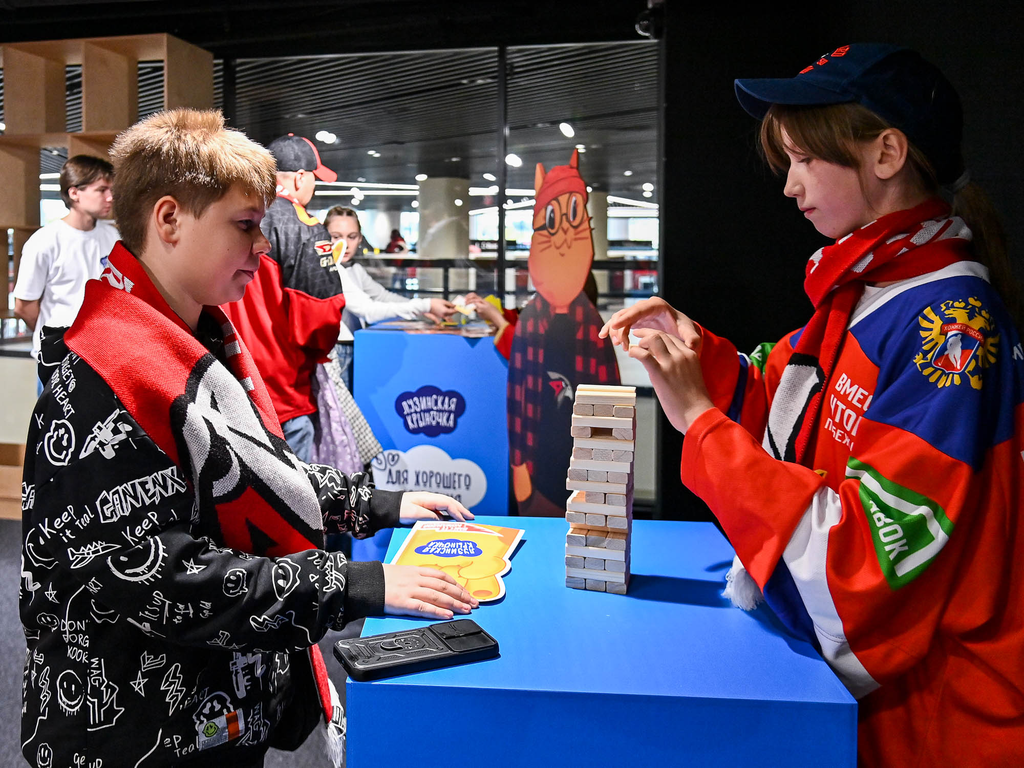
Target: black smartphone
(415, 650)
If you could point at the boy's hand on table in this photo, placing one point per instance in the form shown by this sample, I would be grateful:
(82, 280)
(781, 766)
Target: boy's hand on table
(422, 505)
(440, 310)
(413, 591)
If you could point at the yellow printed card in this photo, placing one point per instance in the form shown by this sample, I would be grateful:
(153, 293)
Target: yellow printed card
(476, 556)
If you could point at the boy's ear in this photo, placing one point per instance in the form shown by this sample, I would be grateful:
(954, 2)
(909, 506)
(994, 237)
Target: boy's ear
(891, 148)
(167, 219)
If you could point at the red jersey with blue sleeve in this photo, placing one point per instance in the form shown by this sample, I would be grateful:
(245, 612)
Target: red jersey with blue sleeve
(897, 552)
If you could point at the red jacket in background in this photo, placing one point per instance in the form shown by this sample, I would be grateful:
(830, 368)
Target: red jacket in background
(291, 311)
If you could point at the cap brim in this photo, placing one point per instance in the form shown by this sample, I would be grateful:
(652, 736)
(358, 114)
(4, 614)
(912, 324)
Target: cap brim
(324, 173)
(757, 96)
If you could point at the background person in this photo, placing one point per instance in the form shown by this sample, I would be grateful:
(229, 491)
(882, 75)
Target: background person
(366, 300)
(59, 258)
(290, 315)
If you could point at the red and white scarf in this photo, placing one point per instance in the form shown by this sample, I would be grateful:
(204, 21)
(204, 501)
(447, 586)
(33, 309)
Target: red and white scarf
(889, 248)
(216, 423)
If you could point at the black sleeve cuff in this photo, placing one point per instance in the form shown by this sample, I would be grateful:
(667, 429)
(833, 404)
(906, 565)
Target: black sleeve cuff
(385, 507)
(365, 593)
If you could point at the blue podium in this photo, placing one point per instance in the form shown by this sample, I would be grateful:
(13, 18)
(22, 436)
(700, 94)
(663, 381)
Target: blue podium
(669, 674)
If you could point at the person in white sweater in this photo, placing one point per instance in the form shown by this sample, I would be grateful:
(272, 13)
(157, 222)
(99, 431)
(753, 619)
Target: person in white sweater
(366, 300)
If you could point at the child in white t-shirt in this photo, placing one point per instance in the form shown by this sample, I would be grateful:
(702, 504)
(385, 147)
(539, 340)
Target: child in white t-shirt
(58, 259)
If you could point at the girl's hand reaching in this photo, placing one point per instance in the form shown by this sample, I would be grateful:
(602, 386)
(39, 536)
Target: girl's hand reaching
(655, 313)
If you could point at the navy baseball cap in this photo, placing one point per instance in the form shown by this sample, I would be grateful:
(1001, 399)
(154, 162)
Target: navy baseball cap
(297, 153)
(893, 82)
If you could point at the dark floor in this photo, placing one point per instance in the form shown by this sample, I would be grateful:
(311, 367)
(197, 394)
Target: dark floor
(12, 657)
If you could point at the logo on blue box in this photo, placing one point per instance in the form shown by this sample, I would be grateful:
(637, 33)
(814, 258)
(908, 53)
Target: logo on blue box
(429, 411)
(450, 548)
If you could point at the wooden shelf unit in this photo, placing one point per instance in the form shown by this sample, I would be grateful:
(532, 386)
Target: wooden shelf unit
(35, 117)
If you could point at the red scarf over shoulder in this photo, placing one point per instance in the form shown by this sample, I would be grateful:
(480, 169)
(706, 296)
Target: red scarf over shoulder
(889, 248)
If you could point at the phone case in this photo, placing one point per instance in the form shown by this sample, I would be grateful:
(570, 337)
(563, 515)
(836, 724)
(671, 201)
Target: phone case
(415, 650)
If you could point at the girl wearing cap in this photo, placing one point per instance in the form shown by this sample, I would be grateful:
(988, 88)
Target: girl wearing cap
(867, 467)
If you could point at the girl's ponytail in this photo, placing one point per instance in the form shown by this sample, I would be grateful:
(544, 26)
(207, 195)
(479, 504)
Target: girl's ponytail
(972, 205)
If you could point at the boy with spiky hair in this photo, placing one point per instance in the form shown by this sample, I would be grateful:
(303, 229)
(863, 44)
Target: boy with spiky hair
(174, 586)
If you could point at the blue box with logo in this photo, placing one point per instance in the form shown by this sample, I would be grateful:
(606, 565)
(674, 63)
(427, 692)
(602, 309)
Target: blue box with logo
(436, 402)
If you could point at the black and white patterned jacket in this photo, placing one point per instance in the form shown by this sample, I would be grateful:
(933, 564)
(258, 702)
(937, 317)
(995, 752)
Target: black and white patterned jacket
(149, 642)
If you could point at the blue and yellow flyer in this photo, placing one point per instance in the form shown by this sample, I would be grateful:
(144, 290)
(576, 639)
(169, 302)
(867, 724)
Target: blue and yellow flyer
(476, 556)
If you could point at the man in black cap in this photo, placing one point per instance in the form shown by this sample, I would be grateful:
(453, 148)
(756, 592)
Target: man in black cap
(291, 311)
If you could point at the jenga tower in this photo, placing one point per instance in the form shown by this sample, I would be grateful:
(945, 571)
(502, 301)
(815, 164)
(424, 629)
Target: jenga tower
(600, 508)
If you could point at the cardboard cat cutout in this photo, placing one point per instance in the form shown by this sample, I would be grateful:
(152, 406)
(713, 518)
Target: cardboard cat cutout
(555, 347)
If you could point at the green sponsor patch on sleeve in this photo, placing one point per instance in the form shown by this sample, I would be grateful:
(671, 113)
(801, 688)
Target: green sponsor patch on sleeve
(759, 357)
(908, 529)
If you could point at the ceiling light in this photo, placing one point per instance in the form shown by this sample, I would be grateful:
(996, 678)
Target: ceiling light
(458, 202)
(513, 159)
(326, 137)
(454, 159)
(355, 201)
(415, 203)
(648, 193)
(590, 189)
(421, 177)
(355, 192)
(648, 187)
(361, 178)
(372, 152)
(627, 173)
(3, 126)
(490, 177)
(566, 130)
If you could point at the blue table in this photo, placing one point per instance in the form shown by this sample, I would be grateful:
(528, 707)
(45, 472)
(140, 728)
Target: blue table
(669, 674)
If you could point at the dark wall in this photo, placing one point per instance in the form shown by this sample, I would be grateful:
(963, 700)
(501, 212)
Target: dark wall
(733, 247)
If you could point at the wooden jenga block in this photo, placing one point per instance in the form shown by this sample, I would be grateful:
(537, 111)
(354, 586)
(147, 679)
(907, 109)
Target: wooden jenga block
(615, 477)
(598, 475)
(580, 431)
(573, 561)
(622, 434)
(596, 552)
(608, 422)
(585, 454)
(614, 499)
(603, 409)
(583, 409)
(626, 456)
(576, 518)
(576, 537)
(603, 454)
(576, 503)
(574, 583)
(596, 396)
(596, 586)
(613, 540)
(615, 588)
(590, 574)
(578, 474)
(594, 497)
(586, 485)
(593, 519)
(619, 523)
(603, 466)
(609, 442)
(594, 564)
(622, 411)
(617, 566)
